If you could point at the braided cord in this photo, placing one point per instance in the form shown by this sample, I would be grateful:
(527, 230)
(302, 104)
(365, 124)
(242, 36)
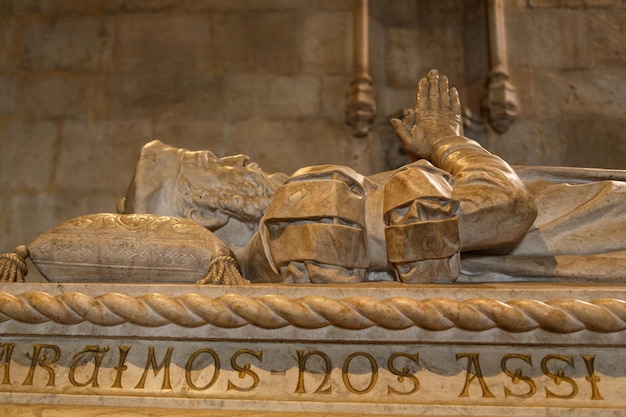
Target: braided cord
(313, 312)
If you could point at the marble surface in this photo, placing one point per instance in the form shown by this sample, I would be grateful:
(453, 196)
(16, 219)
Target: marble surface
(53, 351)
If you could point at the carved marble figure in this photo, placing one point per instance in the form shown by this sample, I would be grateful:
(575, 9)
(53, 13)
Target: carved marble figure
(456, 213)
(329, 224)
(457, 210)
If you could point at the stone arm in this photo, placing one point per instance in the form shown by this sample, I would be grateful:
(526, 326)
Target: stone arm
(496, 210)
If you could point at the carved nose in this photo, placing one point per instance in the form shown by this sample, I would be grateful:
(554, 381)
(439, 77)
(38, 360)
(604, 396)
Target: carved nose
(237, 160)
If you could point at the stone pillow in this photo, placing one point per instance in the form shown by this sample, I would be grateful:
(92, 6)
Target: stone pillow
(126, 248)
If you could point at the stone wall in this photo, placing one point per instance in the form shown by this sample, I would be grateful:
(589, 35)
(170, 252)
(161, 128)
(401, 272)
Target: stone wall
(84, 83)
(568, 62)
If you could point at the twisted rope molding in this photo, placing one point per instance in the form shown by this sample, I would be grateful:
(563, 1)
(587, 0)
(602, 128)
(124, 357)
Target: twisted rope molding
(313, 312)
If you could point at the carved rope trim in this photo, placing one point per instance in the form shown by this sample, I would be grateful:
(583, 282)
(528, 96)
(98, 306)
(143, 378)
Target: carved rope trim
(313, 312)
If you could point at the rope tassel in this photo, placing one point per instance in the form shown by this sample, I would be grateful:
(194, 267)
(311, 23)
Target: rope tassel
(13, 266)
(223, 270)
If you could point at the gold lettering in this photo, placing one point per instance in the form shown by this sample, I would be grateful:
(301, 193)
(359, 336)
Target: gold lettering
(559, 376)
(472, 360)
(7, 352)
(345, 375)
(592, 378)
(518, 376)
(244, 370)
(120, 366)
(151, 362)
(405, 373)
(302, 358)
(98, 354)
(43, 362)
(189, 367)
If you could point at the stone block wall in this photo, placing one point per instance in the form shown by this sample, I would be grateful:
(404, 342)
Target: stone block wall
(85, 83)
(568, 63)
(567, 60)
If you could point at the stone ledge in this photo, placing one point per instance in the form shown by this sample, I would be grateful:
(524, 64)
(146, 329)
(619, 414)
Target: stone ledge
(506, 313)
(283, 350)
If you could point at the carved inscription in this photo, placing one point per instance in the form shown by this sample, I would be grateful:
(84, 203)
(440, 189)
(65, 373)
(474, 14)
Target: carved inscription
(308, 373)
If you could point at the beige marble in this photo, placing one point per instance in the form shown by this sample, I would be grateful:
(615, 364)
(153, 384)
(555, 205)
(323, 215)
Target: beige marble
(330, 224)
(11, 410)
(457, 213)
(127, 248)
(161, 348)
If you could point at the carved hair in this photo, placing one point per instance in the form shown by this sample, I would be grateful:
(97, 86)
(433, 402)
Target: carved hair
(244, 193)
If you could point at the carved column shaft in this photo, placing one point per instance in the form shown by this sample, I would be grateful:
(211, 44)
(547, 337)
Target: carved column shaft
(360, 28)
(497, 35)
(360, 100)
(500, 105)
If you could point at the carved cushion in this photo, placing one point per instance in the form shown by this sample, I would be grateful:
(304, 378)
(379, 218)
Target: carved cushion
(126, 248)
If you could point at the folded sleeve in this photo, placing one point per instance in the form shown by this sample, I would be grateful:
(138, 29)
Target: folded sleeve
(496, 209)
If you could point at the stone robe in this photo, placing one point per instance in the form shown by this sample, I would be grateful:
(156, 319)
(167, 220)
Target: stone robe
(579, 233)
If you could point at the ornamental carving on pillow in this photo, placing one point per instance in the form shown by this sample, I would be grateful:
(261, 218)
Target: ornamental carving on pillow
(126, 247)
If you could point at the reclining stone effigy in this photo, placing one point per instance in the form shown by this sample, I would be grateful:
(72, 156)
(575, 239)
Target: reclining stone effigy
(392, 343)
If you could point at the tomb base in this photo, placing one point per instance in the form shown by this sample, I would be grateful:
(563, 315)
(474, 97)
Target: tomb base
(380, 349)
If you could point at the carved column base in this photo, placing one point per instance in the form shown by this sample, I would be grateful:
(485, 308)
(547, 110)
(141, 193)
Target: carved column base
(500, 105)
(361, 105)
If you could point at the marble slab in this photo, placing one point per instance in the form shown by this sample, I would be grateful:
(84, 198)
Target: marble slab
(380, 349)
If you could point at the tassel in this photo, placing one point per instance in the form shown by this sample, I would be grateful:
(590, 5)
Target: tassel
(13, 265)
(223, 270)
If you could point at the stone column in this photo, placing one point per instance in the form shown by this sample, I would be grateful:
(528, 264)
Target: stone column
(500, 105)
(361, 99)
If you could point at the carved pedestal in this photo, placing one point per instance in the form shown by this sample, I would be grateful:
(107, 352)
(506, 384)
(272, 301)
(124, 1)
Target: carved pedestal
(496, 350)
